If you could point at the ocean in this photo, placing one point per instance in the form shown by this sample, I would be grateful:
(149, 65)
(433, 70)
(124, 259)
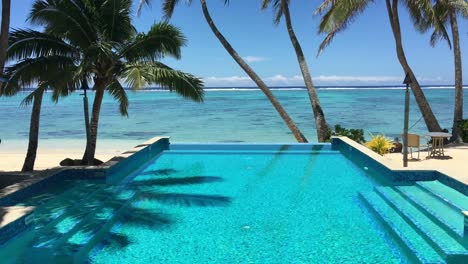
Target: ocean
(227, 115)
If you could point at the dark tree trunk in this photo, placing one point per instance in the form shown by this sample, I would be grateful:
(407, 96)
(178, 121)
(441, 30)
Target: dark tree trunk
(320, 122)
(99, 87)
(458, 111)
(276, 104)
(88, 158)
(34, 131)
(4, 33)
(431, 122)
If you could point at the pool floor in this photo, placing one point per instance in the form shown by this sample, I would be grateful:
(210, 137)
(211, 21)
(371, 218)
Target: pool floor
(247, 207)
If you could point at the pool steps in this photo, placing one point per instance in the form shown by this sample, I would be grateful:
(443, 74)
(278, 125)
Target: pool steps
(422, 250)
(447, 217)
(421, 215)
(76, 248)
(446, 194)
(62, 226)
(66, 246)
(70, 200)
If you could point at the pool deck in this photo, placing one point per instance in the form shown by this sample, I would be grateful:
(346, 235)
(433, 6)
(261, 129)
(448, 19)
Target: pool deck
(454, 164)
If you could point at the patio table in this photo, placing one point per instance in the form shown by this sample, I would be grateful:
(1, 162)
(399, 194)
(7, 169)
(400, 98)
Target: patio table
(438, 143)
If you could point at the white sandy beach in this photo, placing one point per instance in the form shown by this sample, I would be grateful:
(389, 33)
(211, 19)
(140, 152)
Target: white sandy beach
(51, 152)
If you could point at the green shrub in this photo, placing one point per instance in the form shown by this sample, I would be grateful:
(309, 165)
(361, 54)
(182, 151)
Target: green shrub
(464, 127)
(380, 144)
(354, 134)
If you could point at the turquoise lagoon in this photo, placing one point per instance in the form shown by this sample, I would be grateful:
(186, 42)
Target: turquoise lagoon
(228, 115)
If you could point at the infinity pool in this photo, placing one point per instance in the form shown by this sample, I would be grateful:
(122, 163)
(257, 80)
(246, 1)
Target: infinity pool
(263, 204)
(227, 203)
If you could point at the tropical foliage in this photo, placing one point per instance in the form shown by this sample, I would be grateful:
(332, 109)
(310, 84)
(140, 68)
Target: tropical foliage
(339, 14)
(354, 134)
(94, 41)
(446, 12)
(380, 144)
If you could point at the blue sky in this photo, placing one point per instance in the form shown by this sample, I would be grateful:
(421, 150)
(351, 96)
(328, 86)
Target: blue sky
(362, 55)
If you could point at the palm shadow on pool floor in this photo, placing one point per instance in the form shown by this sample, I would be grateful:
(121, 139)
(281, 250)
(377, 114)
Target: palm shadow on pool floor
(158, 219)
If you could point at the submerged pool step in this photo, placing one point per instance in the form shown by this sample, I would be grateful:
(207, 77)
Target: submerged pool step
(453, 249)
(452, 220)
(54, 210)
(450, 196)
(60, 229)
(414, 242)
(75, 248)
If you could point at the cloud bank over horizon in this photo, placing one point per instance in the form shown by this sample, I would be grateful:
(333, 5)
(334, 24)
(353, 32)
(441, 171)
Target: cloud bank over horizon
(321, 80)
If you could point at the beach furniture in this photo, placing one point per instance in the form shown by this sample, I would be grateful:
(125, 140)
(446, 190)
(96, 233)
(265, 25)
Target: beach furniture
(414, 141)
(437, 148)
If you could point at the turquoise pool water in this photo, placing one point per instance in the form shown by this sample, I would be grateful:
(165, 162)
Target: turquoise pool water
(274, 204)
(244, 203)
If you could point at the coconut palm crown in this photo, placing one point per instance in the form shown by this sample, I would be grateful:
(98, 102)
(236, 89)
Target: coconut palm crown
(94, 40)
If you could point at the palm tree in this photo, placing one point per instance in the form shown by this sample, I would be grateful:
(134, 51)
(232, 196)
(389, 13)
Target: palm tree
(169, 6)
(281, 8)
(37, 62)
(4, 32)
(107, 50)
(446, 12)
(340, 13)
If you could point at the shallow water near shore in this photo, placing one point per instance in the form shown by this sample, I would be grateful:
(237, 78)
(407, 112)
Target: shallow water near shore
(227, 115)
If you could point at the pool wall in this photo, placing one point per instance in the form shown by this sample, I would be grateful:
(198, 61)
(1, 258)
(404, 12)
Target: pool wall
(360, 154)
(131, 160)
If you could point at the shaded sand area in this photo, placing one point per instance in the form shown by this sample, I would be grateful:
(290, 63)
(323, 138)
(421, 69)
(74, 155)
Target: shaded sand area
(51, 152)
(454, 164)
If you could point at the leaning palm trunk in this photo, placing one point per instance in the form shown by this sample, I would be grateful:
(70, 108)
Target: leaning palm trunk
(88, 159)
(320, 122)
(5, 28)
(90, 151)
(34, 130)
(282, 112)
(429, 117)
(458, 113)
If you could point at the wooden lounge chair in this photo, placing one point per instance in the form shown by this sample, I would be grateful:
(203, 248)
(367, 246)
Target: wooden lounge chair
(414, 141)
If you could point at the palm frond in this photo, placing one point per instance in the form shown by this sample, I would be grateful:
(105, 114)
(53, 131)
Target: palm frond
(277, 8)
(29, 72)
(119, 94)
(161, 40)
(26, 43)
(142, 3)
(114, 20)
(340, 14)
(67, 19)
(185, 84)
(461, 7)
(30, 97)
(137, 76)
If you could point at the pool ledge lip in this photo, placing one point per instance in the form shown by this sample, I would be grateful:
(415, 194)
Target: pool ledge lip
(126, 154)
(39, 176)
(382, 161)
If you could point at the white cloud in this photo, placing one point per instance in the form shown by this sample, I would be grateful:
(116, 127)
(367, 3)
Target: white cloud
(250, 59)
(297, 80)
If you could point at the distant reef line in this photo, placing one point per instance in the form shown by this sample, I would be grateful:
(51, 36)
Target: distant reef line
(322, 87)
